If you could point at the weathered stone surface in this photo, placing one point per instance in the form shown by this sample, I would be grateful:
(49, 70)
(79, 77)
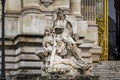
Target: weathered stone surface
(55, 77)
(75, 8)
(82, 28)
(107, 70)
(65, 4)
(13, 5)
(31, 3)
(34, 23)
(93, 31)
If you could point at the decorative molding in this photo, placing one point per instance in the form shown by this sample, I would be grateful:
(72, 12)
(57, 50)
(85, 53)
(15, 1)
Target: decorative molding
(46, 3)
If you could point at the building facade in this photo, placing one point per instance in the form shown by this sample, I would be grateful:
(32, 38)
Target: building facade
(25, 22)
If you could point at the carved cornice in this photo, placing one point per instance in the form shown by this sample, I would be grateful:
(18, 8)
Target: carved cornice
(30, 10)
(23, 39)
(12, 14)
(35, 10)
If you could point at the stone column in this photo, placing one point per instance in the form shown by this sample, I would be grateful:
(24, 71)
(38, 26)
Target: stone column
(93, 32)
(13, 5)
(96, 52)
(11, 27)
(88, 9)
(82, 28)
(61, 4)
(85, 53)
(31, 3)
(76, 7)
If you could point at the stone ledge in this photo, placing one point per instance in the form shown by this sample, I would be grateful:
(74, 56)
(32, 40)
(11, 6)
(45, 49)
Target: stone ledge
(27, 39)
(96, 51)
(39, 77)
(25, 76)
(12, 14)
(26, 50)
(28, 35)
(57, 77)
(23, 40)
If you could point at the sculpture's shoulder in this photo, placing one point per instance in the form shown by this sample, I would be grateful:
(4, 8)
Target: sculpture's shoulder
(69, 23)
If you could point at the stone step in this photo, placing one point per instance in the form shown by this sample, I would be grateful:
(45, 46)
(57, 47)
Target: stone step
(109, 78)
(115, 70)
(70, 78)
(106, 66)
(113, 75)
(109, 63)
(107, 70)
(107, 74)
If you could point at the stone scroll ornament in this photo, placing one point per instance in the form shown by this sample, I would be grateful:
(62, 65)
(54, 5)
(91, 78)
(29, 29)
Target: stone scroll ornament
(46, 3)
(60, 53)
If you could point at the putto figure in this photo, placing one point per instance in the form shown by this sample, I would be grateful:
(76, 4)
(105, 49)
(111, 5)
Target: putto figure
(61, 53)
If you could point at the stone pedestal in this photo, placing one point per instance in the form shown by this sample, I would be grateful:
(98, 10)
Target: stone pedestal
(96, 52)
(93, 31)
(82, 28)
(85, 47)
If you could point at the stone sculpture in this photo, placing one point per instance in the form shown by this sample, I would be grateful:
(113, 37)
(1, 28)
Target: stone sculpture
(60, 53)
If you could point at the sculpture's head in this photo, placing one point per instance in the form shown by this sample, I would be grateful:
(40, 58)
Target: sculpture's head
(60, 13)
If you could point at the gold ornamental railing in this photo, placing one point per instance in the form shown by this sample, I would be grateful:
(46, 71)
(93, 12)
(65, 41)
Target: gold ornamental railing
(97, 10)
(102, 22)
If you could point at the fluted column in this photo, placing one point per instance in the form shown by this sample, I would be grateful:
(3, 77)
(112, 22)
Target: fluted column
(88, 9)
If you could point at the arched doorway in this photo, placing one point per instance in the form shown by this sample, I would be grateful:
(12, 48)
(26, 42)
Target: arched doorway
(117, 18)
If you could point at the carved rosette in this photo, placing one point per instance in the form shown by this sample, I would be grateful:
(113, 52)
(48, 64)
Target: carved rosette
(46, 3)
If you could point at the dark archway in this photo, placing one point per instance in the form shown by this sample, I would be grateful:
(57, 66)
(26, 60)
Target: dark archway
(117, 11)
(114, 30)
(112, 39)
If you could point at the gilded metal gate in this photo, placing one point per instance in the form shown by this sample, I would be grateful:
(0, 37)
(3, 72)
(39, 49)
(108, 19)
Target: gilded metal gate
(97, 10)
(102, 22)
